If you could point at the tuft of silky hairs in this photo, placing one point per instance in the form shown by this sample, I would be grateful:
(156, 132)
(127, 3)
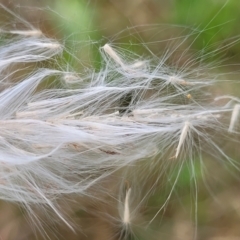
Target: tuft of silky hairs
(66, 134)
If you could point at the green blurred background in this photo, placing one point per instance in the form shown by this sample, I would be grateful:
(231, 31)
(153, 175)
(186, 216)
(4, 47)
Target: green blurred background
(209, 25)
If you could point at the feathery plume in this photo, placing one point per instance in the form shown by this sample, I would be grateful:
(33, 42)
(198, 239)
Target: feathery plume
(60, 140)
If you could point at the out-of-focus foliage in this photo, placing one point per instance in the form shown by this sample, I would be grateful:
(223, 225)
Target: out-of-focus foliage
(209, 25)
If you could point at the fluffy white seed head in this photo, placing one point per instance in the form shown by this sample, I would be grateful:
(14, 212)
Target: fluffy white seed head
(234, 118)
(67, 138)
(183, 136)
(27, 33)
(112, 54)
(126, 212)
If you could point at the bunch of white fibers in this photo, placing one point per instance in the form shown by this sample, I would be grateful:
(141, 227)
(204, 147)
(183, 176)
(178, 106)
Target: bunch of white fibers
(64, 139)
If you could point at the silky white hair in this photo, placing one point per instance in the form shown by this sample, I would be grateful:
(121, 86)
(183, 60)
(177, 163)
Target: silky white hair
(63, 138)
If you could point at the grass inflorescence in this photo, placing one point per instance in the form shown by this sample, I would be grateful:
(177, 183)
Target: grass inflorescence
(122, 132)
